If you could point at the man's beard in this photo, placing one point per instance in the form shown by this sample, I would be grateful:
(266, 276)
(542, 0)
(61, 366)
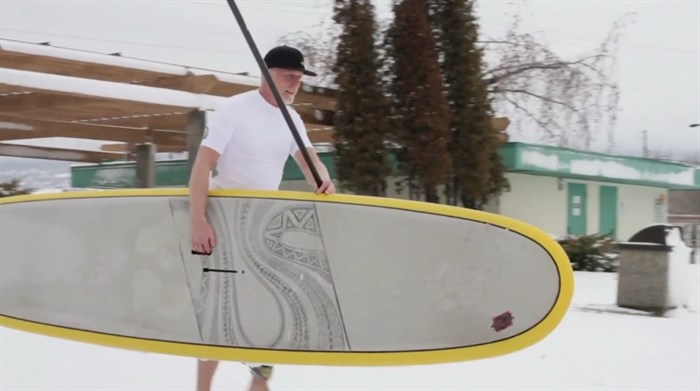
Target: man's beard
(288, 100)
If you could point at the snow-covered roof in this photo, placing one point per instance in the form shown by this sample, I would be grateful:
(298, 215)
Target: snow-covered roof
(120, 61)
(569, 163)
(107, 89)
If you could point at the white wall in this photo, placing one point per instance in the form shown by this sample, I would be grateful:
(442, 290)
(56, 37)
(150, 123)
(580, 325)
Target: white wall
(536, 200)
(636, 208)
(541, 201)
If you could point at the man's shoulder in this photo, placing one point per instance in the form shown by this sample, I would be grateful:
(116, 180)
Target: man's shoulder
(241, 99)
(245, 96)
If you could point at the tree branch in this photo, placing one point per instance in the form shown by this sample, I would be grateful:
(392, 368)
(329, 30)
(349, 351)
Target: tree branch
(493, 41)
(542, 124)
(542, 97)
(522, 68)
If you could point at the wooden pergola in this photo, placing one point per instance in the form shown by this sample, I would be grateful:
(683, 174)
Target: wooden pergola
(48, 92)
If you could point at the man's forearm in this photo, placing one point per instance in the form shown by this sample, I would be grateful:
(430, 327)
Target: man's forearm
(199, 186)
(322, 172)
(320, 168)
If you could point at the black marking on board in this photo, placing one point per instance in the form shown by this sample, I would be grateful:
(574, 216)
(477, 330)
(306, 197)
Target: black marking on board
(206, 270)
(199, 253)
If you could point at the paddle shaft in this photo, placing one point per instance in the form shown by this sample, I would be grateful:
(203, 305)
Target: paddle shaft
(273, 88)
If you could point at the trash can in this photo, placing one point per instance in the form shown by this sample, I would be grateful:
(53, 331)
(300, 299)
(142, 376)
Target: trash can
(653, 269)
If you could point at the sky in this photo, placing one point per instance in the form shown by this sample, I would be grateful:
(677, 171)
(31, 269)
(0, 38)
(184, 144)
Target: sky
(658, 59)
(598, 346)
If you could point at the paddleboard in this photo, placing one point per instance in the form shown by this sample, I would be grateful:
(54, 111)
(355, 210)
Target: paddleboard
(295, 278)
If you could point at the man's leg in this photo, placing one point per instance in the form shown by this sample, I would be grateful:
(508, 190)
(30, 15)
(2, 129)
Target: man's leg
(258, 383)
(261, 374)
(205, 373)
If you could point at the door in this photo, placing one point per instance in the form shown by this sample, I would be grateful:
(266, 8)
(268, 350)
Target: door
(576, 204)
(608, 211)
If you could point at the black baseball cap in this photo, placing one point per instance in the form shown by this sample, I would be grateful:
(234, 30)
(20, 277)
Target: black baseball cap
(286, 57)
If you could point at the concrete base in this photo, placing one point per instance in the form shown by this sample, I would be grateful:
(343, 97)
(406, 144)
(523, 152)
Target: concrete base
(650, 278)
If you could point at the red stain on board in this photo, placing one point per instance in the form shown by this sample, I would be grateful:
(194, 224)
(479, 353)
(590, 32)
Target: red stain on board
(502, 321)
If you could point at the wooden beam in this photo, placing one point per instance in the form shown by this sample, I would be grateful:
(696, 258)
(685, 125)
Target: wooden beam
(321, 136)
(69, 67)
(310, 114)
(131, 148)
(318, 101)
(171, 121)
(109, 91)
(209, 83)
(70, 155)
(44, 100)
(6, 90)
(17, 128)
(66, 106)
(229, 89)
(200, 84)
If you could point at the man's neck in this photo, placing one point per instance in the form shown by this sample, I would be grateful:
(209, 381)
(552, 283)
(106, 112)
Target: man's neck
(266, 93)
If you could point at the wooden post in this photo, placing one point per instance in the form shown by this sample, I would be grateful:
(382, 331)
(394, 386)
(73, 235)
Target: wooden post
(145, 165)
(196, 123)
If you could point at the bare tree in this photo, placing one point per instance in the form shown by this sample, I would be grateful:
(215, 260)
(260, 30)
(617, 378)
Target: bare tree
(319, 45)
(568, 102)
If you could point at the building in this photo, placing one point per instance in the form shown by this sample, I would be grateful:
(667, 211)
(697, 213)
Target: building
(684, 210)
(561, 191)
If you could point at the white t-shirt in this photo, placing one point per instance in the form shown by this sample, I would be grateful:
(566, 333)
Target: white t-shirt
(253, 141)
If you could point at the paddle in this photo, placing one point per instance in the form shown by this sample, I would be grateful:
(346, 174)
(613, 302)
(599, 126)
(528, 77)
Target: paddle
(278, 98)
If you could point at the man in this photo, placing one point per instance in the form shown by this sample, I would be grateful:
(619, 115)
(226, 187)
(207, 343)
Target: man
(248, 142)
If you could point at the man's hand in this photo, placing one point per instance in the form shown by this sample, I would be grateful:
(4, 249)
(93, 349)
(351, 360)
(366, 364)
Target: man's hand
(203, 236)
(327, 187)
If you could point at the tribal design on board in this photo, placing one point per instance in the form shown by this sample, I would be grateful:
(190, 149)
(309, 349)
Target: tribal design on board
(277, 247)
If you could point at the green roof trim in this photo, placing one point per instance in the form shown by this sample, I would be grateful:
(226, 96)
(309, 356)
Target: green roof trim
(570, 163)
(517, 157)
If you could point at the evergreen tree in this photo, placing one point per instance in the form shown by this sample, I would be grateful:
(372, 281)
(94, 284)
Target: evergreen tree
(421, 110)
(477, 171)
(361, 118)
(565, 101)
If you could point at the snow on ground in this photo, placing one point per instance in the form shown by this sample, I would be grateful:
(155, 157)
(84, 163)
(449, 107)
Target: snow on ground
(598, 346)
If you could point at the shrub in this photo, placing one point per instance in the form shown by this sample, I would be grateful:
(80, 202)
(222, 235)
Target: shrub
(591, 252)
(11, 188)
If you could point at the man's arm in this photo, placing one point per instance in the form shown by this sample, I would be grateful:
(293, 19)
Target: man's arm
(327, 185)
(203, 236)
